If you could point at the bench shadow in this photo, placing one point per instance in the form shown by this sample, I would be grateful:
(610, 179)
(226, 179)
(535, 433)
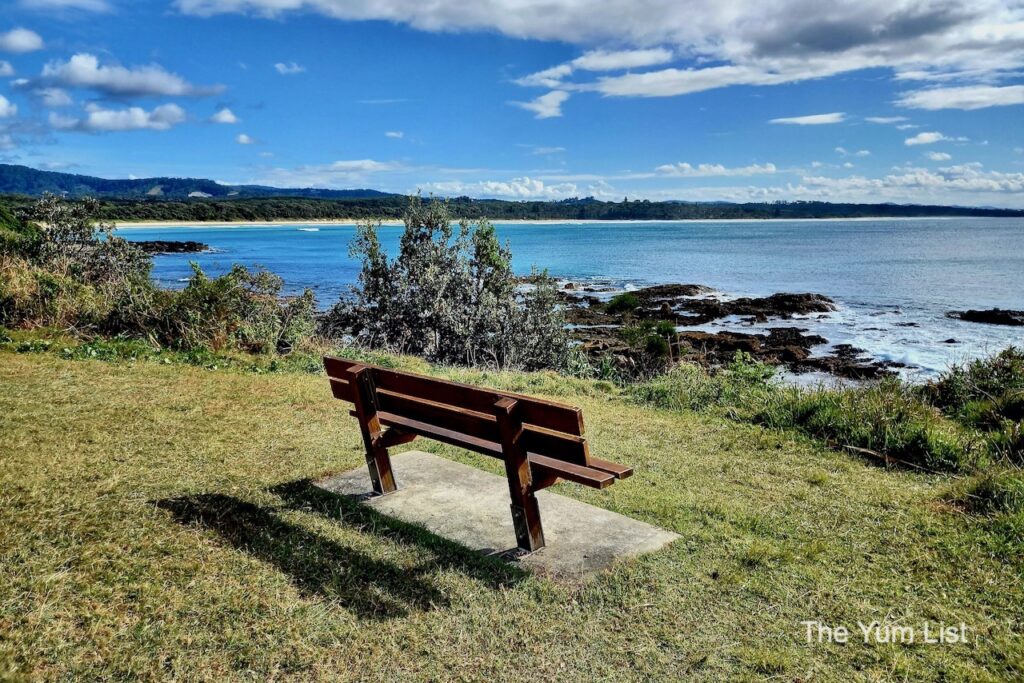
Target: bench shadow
(320, 567)
(489, 569)
(317, 566)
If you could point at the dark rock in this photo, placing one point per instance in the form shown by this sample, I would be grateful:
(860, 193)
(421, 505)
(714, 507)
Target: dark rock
(950, 341)
(171, 246)
(992, 316)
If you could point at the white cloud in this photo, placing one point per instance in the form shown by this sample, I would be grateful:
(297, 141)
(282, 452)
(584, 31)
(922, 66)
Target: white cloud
(289, 68)
(7, 108)
(53, 97)
(6, 142)
(813, 119)
(83, 70)
(747, 42)
(336, 174)
(244, 139)
(597, 60)
(928, 138)
(86, 5)
(938, 156)
(20, 40)
(685, 170)
(516, 188)
(842, 151)
(6, 69)
(396, 134)
(966, 97)
(224, 115)
(100, 120)
(907, 126)
(885, 119)
(546, 106)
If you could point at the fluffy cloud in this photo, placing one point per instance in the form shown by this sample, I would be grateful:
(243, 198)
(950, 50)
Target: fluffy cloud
(546, 106)
(244, 139)
(396, 134)
(289, 69)
(6, 69)
(938, 156)
(741, 42)
(100, 120)
(928, 138)
(53, 97)
(813, 119)
(967, 184)
(7, 108)
(20, 40)
(516, 188)
(84, 70)
(685, 170)
(336, 174)
(224, 115)
(966, 97)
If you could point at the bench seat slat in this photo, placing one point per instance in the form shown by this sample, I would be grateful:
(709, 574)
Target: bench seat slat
(541, 464)
(620, 471)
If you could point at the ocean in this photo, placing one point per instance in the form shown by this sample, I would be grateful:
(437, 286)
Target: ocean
(893, 280)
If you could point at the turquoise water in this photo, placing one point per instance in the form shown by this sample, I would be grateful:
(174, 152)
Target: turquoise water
(893, 279)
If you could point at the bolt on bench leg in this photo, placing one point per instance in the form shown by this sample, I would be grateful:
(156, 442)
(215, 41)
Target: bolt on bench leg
(525, 511)
(377, 459)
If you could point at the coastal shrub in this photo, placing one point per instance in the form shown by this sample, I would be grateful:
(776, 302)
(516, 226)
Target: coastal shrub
(450, 296)
(984, 379)
(887, 417)
(241, 309)
(623, 303)
(60, 268)
(987, 394)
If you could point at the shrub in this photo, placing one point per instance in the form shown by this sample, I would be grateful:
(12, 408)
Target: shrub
(623, 303)
(987, 394)
(241, 309)
(887, 417)
(450, 297)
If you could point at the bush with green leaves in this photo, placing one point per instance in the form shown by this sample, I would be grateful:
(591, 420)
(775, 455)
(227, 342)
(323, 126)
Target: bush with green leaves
(987, 394)
(61, 268)
(241, 309)
(449, 295)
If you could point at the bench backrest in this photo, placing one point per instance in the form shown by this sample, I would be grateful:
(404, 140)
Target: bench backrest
(550, 429)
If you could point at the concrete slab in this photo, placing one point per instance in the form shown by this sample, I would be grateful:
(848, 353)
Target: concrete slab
(471, 507)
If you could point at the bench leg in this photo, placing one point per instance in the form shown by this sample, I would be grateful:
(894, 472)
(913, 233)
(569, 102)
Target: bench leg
(525, 512)
(377, 459)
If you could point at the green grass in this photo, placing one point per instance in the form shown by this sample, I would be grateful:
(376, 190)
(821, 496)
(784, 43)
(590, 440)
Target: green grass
(156, 522)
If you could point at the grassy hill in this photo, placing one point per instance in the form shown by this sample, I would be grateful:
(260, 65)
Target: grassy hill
(156, 522)
(22, 180)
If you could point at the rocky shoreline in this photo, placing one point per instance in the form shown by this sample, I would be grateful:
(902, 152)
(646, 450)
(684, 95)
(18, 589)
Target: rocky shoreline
(627, 328)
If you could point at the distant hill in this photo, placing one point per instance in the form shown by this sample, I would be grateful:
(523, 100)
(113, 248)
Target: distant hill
(190, 199)
(33, 182)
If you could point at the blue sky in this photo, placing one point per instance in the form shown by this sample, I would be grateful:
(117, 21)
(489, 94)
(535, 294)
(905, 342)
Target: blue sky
(895, 100)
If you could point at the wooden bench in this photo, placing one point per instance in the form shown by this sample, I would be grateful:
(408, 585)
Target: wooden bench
(541, 442)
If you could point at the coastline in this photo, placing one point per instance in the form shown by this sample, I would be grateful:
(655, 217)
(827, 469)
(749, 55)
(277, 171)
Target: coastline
(119, 225)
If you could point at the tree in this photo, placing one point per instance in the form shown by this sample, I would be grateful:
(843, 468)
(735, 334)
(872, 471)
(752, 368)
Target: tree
(450, 296)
